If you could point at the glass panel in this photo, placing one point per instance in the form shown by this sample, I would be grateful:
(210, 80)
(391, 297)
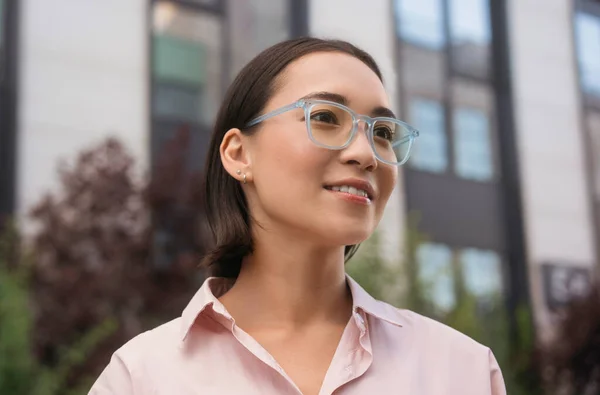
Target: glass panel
(587, 32)
(179, 60)
(187, 63)
(420, 22)
(430, 149)
(473, 94)
(178, 102)
(481, 272)
(254, 26)
(472, 148)
(470, 37)
(423, 71)
(436, 274)
(421, 55)
(165, 132)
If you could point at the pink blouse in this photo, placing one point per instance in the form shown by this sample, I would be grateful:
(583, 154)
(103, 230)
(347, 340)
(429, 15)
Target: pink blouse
(383, 350)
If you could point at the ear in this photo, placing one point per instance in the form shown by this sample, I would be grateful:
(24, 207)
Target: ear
(235, 154)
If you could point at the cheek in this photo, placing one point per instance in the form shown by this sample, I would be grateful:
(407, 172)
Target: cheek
(387, 179)
(287, 163)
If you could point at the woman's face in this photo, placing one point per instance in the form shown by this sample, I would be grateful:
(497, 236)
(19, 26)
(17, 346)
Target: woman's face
(292, 178)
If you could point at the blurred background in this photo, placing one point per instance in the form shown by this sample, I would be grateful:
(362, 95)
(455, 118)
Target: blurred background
(105, 116)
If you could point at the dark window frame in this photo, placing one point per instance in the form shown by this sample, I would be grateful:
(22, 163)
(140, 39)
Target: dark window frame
(8, 109)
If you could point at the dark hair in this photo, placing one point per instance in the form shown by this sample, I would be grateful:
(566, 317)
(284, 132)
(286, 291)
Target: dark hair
(226, 206)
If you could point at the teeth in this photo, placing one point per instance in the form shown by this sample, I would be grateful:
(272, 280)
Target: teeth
(349, 189)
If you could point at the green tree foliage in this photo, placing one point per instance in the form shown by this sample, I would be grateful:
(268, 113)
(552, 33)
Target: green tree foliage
(21, 373)
(111, 256)
(17, 366)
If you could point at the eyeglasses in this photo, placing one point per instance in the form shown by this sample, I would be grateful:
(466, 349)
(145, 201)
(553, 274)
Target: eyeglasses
(332, 125)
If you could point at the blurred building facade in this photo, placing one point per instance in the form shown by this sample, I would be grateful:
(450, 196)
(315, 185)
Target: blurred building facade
(504, 180)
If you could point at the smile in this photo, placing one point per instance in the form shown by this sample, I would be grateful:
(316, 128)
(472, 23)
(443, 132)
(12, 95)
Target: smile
(349, 189)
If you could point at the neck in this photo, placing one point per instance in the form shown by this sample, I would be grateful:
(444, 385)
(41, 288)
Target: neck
(289, 287)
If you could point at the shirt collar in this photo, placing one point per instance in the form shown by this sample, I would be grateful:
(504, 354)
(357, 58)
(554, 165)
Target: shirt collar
(361, 299)
(207, 297)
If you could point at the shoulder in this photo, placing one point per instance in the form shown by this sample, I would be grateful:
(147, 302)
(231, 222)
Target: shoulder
(128, 367)
(154, 342)
(433, 336)
(453, 357)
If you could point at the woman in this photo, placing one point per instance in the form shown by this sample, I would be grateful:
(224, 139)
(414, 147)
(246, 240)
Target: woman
(296, 178)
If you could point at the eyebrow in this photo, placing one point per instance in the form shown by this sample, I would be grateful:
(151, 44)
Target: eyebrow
(383, 112)
(379, 111)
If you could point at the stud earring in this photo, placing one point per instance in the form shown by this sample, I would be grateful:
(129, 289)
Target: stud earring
(239, 172)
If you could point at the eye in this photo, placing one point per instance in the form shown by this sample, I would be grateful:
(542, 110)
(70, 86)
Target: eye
(384, 132)
(325, 117)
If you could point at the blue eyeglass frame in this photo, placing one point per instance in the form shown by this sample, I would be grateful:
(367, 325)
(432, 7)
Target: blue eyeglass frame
(307, 104)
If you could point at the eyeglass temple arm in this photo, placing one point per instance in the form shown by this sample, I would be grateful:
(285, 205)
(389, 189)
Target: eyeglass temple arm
(274, 113)
(414, 133)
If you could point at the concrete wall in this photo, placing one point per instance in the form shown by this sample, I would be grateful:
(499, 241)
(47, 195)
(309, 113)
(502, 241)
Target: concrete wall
(557, 210)
(82, 76)
(369, 25)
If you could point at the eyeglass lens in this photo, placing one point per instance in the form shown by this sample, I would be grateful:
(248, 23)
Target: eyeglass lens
(331, 126)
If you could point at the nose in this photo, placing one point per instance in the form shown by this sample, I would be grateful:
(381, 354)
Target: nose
(360, 152)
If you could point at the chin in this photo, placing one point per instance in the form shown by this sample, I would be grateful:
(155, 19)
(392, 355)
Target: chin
(341, 230)
(347, 236)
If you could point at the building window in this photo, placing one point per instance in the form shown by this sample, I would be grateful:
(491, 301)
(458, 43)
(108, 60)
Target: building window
(256, 25)
(421, 22)
(587, 43)
(197, 48)
(187, 73)
(481, 271)
(472, 148)
(470, 37)
(436, 276)
(430, 153)
(196, 53)
(187, 65)
(587, 33)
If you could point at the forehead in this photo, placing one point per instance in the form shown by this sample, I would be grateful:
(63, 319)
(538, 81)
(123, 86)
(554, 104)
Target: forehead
(331, 72)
